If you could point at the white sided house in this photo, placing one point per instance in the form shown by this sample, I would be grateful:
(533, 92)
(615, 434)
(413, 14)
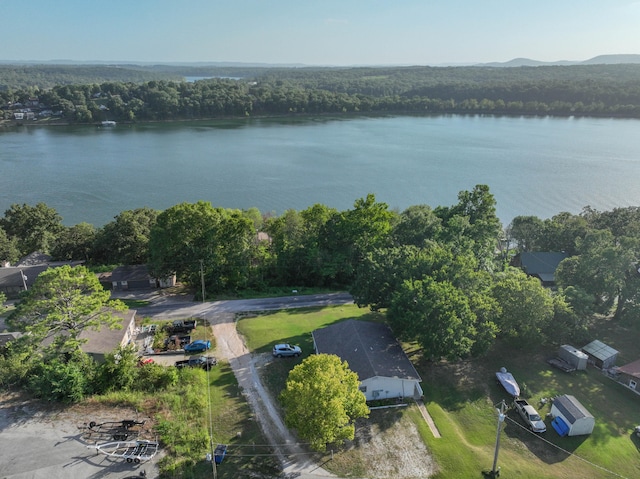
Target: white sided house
(371, 351)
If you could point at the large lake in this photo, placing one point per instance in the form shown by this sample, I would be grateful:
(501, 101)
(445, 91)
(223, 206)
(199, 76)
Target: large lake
(533, 166)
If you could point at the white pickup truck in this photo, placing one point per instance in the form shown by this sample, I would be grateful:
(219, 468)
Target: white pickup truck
(530, 415)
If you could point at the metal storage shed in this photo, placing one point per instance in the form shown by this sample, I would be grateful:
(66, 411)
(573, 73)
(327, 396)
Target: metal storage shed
(570, 418)
(600, 354)
(574, 357)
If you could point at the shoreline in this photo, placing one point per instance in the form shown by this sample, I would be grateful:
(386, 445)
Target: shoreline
(16, 124)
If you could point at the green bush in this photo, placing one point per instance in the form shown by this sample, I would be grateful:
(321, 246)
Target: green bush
(59, 381)
(153, 377)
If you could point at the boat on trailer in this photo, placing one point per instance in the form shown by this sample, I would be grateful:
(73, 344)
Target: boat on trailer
(508, 382)
(132, 451)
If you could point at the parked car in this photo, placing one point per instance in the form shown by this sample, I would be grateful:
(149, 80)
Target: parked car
(283, 350)
(204, 362)
(197, 346)
(529, 414)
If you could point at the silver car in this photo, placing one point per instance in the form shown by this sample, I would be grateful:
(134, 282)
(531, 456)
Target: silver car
(282, 350)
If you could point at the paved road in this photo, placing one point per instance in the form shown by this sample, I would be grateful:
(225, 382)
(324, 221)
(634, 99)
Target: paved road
(170, 308)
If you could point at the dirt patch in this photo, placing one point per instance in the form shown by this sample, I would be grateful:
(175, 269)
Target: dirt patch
(391, 447)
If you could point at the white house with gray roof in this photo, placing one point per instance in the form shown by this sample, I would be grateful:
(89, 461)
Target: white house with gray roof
(372, 352)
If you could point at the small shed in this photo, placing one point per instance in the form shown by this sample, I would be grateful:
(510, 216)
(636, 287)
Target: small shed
(601, 355)
(570, 418)
(629, 375)
(573, 356)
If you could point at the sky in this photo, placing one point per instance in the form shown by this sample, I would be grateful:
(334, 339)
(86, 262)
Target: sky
(318, 32)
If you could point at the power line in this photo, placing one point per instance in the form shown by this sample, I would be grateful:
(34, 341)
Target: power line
(565, 451)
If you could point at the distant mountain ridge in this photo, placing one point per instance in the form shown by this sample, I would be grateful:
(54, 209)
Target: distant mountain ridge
(516, 62)
(599, 60)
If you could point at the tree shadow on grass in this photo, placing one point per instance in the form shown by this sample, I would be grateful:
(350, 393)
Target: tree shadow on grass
(549, 447)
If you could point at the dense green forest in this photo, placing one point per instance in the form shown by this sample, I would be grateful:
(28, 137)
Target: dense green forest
(443, 274)
(43, 77)
(150, 93)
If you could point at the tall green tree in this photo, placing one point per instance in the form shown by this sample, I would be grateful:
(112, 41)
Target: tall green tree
(472, 224)
(35, 228)
(62, 303)
(125, 240)
(561, 232)
(525, 231)
(75, 243)
(8, 248)
(436, 314)
(606, 269)
(350, 235)
(416, 225)
(322, 400)
(526, 307)
(194, 239)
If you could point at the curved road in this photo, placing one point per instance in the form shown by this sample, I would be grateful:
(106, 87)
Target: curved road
(172, 308)
(221, 315)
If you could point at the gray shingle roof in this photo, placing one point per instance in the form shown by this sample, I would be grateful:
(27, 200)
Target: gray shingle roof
(541, 263)
(134, 272)
(370, 349)
(571, 408)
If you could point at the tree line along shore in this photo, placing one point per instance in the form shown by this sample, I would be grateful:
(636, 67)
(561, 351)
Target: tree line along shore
(127, 94)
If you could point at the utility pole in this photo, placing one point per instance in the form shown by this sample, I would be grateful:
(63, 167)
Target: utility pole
(212, 454)
(24, 280)
(496, 472)
(202, 278)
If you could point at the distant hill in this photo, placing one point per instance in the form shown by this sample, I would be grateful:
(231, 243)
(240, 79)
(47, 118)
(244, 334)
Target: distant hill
(599, 60)
(612, 59)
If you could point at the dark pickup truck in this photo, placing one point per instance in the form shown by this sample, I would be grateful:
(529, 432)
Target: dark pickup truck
(176, 341)
(204, 362)
(180, 326)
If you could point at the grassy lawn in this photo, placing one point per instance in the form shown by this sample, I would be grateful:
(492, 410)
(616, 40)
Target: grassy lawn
(461, 398)
(135, 303)
(292, 326)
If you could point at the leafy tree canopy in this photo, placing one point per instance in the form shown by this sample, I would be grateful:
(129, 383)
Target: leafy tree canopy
(322, 400)
(63, 302)
(194, 239)
(34, 227)
(526, 307)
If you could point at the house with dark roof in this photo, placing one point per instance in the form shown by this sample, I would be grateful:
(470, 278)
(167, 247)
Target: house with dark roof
(373, 353)
(629, 375)
(15, 279)
(539, 264)
(18, 278)
(137, 276)
(99, 342)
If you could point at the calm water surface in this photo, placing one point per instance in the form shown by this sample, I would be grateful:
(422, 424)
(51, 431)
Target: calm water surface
(534, 166)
